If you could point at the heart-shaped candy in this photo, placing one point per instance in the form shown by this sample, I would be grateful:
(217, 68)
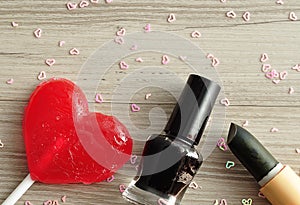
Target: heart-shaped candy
(65, 143)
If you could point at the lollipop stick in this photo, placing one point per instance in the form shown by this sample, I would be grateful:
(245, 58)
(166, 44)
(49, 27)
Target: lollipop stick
(19, 191)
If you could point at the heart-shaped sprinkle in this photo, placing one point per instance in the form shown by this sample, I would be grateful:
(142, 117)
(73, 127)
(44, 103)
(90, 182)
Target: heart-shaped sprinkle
(119, 40)
(225, 102)
(264, 57)
(296, 67)
(292, 16)
(274, 129)
(14, 24)
(247, 201)
(135, 108)
(147, 28)
(165, 60)
(133, 159)
(71, 6)
(215, 62)
(42, 75)
(55, 202)
(280, 2)
(162, 201)
(246, 16)
(139, 60)
(231, 14)
(276, 74)
(282, 75)
(229, 164)
(291, 90)
(265, 68)
(123, 65)
(220, 141)
(10, 81)
(222, 144)
(1, 144)
(28, 203)
(108, 1)
(193, 185)
(50, 61)
(195, 34)
(223, 202)
(83, 4)
(122, 188)
(210, 56)
(38, 33)
(48, 202)
(171, 18)
(134, 47)
(61, 43)
(99, 98)
(246, 123)
(64, 198)
(269, 75)
(74, 51)
(276, 81)
(182, 58)
(121, 32)
(94, 1)
(147, 96)
(110, 179)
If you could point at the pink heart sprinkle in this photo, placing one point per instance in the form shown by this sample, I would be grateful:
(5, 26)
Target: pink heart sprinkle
(61, 43)
(108, 1)
(276, 81)
(133, 159)
(264, 57)
(147, 96)
(123, 65)
(74, 51)
(10, 81)
(165, 60)
(135, 108)
(282, 75)
(162, 201)
(276, 74)
(119, 40)
(55, 202)
(220, 141)
(292, 16)
(195, 34)
(122, 188)
(42, 75)
(274, 129)
(139, 60)
(246, 16)
(14, 24)
(64, 198)
(193, 185)
(28, 203)
(71, 6)
(121, 32)
(280, 2)
(231, 14)
(296, 67)
(210, 56)
(215, 62)
(171, 18)
(38, 33)
(291, 90)
(83, 4)
(223, 202)
(99, 98)
(297, 150)
(225, 102)
(269, 75)
(110, 179)
(50, 61)
(246, 123)
(265, 68)
(147, 28)
(94, 1)
(48, 202)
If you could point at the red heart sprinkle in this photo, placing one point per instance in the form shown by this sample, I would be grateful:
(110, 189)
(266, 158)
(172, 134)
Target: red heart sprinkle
(65, 143)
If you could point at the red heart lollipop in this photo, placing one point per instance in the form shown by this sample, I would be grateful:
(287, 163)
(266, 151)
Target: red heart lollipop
(65, 143)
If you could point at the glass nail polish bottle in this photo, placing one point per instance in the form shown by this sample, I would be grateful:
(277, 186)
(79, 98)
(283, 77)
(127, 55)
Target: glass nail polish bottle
(170, 160)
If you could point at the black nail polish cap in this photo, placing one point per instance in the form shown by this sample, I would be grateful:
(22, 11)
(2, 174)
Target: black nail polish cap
(190, 115)
(250, 152)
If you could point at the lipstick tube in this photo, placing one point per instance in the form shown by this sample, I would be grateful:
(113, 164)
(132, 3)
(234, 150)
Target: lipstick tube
(170, 160)
(279, 183)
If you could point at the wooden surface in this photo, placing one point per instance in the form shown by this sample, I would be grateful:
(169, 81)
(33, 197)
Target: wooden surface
(238, 45)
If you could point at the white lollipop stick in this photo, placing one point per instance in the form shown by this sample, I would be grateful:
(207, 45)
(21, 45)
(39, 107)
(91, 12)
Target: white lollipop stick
(19, 191)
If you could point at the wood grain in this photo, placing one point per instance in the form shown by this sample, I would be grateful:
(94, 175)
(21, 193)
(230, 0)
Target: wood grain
(236, 43)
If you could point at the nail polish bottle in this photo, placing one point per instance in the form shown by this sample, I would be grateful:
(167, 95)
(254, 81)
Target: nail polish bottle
(279, 183)
(170, 160)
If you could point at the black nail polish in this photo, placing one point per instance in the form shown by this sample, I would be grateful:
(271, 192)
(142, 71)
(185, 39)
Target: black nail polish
(170, 160)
